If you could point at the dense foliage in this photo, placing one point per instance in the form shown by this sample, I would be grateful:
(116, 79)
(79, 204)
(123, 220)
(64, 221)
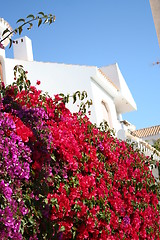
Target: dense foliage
(63, 178)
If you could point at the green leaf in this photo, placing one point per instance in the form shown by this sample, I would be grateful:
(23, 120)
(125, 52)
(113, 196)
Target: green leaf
(78, 93)
(41, 13)
(53, 201)
(46, 201)
(74, 234)
(5, 31)
(50, 21)
(15, 30)
(21, 20)
(39, 22)
(45, 21)
(20, 88)
(74, 98)
(30, 26)
(20, 29)
(53, 157)
(67, 98)
(62, 229)
(30, 16)
(10, 43)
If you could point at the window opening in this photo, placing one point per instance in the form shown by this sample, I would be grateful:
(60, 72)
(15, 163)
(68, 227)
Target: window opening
(106, 114)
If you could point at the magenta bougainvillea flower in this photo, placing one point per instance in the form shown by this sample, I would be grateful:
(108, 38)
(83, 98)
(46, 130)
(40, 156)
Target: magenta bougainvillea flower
(1, 46)
(63, 178)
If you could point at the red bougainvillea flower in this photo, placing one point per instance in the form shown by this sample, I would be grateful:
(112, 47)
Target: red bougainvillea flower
(22, 130)
(38, 82)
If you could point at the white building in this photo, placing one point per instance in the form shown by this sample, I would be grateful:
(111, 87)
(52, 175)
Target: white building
(149, 134)
(143, 140)
(105, 85)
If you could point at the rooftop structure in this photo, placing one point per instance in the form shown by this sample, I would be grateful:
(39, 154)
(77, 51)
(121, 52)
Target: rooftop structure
(150, 131)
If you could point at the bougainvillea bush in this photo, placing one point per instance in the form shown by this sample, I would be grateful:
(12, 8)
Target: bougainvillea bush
(63, 178)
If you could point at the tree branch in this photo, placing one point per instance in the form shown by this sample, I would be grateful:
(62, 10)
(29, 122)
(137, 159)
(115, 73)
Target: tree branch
(41, 18)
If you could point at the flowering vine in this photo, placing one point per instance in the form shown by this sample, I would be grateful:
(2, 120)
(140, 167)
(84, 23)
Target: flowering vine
(62, 177)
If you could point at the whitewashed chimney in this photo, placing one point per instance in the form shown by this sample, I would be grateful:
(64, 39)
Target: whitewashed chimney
(22, 49)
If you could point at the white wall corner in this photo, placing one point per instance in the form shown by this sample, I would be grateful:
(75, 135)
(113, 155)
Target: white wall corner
(2, 61)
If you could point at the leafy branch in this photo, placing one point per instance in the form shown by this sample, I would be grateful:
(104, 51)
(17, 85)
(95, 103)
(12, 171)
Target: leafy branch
(40, 17)
(80, 96)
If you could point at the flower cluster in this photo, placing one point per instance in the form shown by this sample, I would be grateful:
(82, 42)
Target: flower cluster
(63, 178)
(14, 169)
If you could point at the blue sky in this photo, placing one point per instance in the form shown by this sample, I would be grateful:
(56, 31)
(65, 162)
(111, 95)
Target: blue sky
(99, 33)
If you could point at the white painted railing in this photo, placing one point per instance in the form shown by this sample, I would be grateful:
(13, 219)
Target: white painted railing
(147, 149)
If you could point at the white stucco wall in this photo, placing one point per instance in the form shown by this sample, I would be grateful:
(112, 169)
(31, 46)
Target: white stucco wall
(124, 102)
(2, 52)
(56, 78)
(111, 72)
(151, 139)
(64, 78)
